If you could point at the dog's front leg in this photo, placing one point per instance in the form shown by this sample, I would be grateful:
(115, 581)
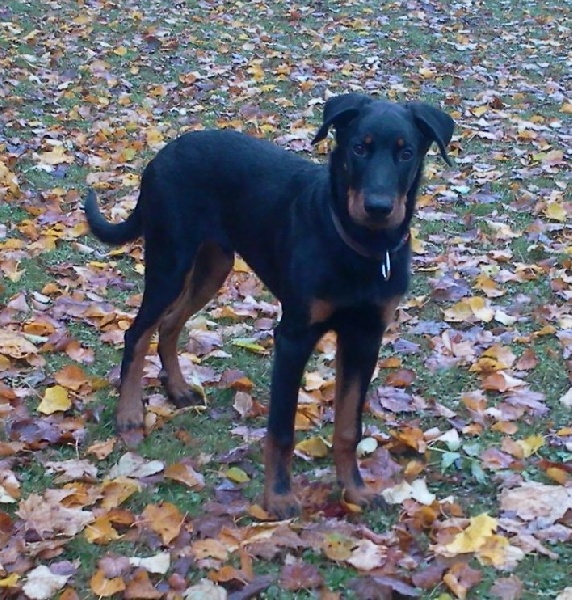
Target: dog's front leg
(292, 348)
(358, 341)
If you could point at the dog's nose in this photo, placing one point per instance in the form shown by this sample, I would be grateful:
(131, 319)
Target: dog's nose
(378, 207)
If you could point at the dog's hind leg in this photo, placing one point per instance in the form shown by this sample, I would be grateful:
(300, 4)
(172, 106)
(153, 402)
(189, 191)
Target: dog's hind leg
(207, 274)
(164, 283)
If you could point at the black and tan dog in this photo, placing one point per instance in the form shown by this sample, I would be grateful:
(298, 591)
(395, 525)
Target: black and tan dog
(330, 242)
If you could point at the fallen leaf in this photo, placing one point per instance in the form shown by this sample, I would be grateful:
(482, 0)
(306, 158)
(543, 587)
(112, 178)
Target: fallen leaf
(313, 447)
(184, 473)
(104, 587)
(55, 399)
(42, 584)
(164, 519)
(472, 538)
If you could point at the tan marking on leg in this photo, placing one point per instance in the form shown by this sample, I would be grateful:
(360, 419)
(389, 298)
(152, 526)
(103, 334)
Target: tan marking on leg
(320, 311)
(277, 465)
(345, 431)
(347, 435)
(130, 410)
(169, 330)
(209, 270)
(387, 310)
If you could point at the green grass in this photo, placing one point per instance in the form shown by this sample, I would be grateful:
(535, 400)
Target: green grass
(71, 76)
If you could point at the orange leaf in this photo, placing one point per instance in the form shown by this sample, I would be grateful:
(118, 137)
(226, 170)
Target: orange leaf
(103, 449)
(141, 588)
(501, 382)
(184, 473)
(101, 586)
(164, 519)
(71, 377)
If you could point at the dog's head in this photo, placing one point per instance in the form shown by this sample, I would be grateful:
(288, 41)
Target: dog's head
(379, 153)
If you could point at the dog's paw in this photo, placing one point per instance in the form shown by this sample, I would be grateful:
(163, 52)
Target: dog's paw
(282, 506)
(131, 433)
(183, 395)
(188, 398)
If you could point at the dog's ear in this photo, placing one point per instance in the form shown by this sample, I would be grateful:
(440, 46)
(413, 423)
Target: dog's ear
(436, 125)
(339, 111)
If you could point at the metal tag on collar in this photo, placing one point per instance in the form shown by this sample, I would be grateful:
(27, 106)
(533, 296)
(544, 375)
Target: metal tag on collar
(386, 266)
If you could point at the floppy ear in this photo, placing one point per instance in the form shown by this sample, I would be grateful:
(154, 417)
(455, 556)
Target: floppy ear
(339, 111)
(436, 125)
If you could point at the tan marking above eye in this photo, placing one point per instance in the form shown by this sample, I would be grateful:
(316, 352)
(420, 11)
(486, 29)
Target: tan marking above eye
(368, 139)
(400, 142)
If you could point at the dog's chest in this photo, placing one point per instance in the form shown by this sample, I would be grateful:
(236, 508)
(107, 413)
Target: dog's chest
(346, 289)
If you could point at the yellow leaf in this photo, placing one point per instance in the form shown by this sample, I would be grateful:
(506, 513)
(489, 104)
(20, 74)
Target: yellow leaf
(479, 307)
(8, 181)
(531, 444)
(55, 399)
(567, 108)
(240, 265)
(120, 51)
(494, 551)
(10, 581)
(473, 537)
(427, 73)
(315, 447)
(116, 491)
(337, 547)
(101, 531)
(57, 156)
(479, 111)
(417, 244)
(237, 475)
(555, 212)
(257, 512)
(248, 344)
(154, 138)
(558, 475)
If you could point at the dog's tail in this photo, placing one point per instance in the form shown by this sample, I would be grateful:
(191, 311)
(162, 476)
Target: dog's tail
(111, 233)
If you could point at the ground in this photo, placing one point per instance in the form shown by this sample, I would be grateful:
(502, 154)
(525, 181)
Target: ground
(468, 426)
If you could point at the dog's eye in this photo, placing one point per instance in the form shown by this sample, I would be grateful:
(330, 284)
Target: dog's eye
(360, 149)
(406, 154)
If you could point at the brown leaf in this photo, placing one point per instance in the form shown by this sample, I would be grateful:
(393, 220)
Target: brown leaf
(141, 588)
(508, 588)
(400, 378)
(461, 578)
(300, 575)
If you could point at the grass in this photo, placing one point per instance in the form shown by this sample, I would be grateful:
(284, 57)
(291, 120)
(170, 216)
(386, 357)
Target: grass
(71, 77)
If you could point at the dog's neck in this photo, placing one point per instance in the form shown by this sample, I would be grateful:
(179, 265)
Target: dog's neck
(365, 250)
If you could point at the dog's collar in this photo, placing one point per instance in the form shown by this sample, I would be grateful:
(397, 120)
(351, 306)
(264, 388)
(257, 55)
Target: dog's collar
(384, 256)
